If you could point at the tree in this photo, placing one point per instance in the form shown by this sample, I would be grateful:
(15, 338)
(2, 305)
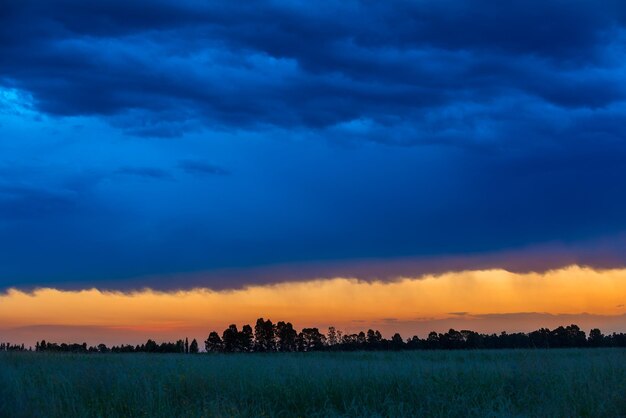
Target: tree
(570, 336)
(246, 339)
(540, 338)
(360, 339)
(374, 339)
(396, 342)
(230, 339)
(264, 335)
(472, 339)
(576, 336)
(151, 346)
(186, 345)
(331, 337)
(596, 338)
(452, 339)
(432, 341)
(193, 348)
(286, 336)
(413, 343)
(213, 343)
(311, 339)
(339, 336)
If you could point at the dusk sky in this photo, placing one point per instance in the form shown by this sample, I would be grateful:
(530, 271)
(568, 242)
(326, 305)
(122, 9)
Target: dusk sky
(463, 160)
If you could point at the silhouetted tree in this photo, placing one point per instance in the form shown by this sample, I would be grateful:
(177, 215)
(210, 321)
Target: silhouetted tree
(361, 340)
(123, 349)
(576, 337)
(349, 342)
(396, 342)
(311, 339)
(540, 338)
(246, 342)
(596, 338)
(264, 335)
(213, 343)
(432, 341)
(286, 337)
(570, 336)
(151, 347)
(472, 339)
(451, 340)
(193, 348)
(230, 339)
(413, 343)
(616, 340)
(331, 337)
(374, 339)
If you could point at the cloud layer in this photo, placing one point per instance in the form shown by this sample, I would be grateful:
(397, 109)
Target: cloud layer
(163, 137)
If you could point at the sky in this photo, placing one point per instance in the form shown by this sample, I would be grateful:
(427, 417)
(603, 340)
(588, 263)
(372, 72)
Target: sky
(191, 149)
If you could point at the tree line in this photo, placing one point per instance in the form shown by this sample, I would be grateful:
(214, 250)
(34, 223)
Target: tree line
(180, 346)
(282, 337)
(267, 336)
(12, 347)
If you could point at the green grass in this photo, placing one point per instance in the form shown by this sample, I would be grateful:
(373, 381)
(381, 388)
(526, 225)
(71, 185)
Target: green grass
(555, 383)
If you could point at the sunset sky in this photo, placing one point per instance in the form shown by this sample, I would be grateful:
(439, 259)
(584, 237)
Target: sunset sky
(170, 167)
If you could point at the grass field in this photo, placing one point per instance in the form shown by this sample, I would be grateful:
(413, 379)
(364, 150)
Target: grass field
(555, 383)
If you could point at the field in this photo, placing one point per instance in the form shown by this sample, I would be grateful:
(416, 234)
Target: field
(587, 382)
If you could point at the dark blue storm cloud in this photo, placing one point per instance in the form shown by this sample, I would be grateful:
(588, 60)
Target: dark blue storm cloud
(144, 138)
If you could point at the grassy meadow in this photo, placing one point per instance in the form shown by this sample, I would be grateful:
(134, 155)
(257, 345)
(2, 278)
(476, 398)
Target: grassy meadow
(556, 383)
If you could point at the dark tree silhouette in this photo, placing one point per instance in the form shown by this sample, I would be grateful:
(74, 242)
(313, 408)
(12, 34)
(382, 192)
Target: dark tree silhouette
(396, 342)
(540, 338)
(451, 340)
(193, 348)
(414, 343)
(596, 338)
(361, 340)
(264, 335)
(332, 338)
(374, 339)
(213, 343)
(432, 341)
(286, 336)
(230, 339)
(151, 347)
(246, 339)
(570, 336)
(310, 339)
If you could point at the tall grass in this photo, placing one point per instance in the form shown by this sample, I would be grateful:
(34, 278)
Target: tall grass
(460, 383)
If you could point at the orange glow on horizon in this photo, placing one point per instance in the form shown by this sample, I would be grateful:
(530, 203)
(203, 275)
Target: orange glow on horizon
(408, 304)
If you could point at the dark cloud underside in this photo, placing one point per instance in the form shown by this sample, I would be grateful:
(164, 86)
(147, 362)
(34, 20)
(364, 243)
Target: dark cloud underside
(303, 132)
